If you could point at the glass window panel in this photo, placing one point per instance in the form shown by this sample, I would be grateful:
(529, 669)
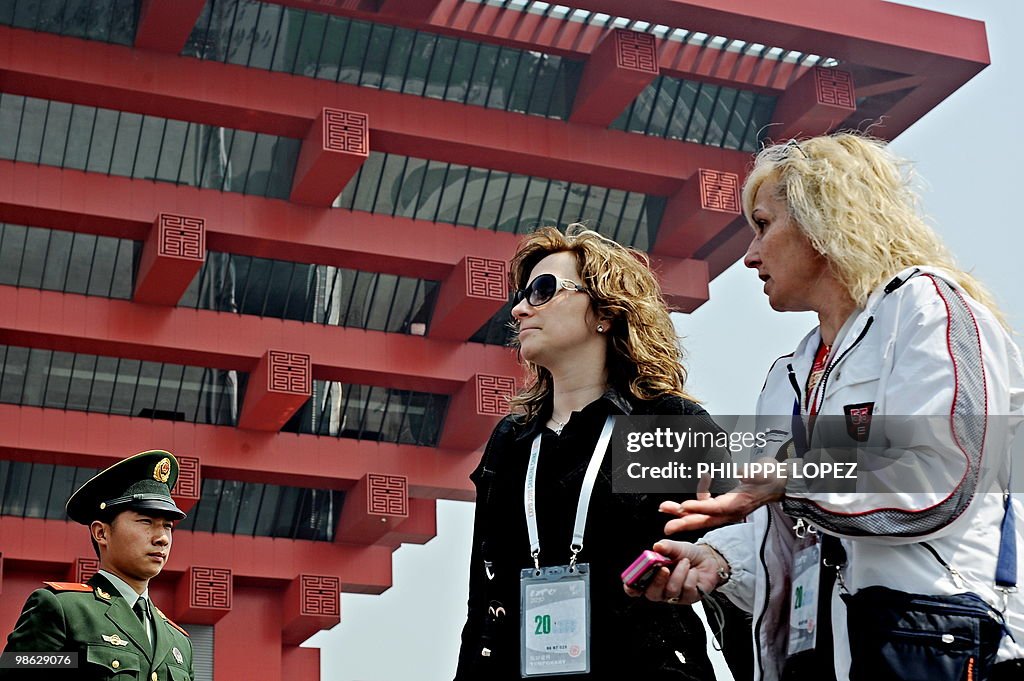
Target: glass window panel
(124, 19)
(102, 141)
(33, 260)
(103, 385)
(267, 519)
(227, 506)
(333, 44)
(13, 502)
(55, 136)
(172, 147)
(282, 169)
(522, 87)
(82, 367)
(544, 89)
(241, 144)
(461, 71)
(126, 141)
(284, 519)
(666, 90)
(76, 18)
(398, 59)
(261, 164)
(246, 16)
(591, 212)
(15, 366)
(7, 17)
(508, 216)
(491, 202)
(211, 493)
(26, 14)
(30, 134)
(504, 75)
(82, 248)
(12, 245)
(149, 149)
(38, 492)
(430, 191)
(120, 285)
(405, 189)
(531, 213)
(476, 180)
(455, 182)
(62, 484)
(572, 209)
(10, 118)
(78, 137)
(368, 182)
(166, 403)
(146, 391)
(57, 256)
(249, 508)
(419, 65)
(127, 371)
(405, 304)
(719, 117)
(56, 380)
(483, 72)
(35, 377)
(685, 104)
(440, 67)
(740, 117)
(377, 55)
(104, 263)
(307, 54)
(47, 15)
(355, 52)
(380, 307)
(702, 113)
(390, 182)
(266, 36)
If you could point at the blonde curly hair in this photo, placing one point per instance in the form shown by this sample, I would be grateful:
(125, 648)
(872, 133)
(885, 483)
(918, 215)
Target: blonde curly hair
(645, 356)
(854, 199)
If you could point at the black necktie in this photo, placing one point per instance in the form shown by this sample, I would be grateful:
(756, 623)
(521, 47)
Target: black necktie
(141, 610)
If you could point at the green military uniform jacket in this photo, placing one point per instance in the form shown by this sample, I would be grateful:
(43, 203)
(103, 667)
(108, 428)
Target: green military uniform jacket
(96, 622)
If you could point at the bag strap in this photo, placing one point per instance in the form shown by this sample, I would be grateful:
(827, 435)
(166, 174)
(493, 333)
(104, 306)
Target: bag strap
(1006, 564)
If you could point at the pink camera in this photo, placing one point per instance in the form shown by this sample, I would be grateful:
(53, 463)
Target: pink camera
(641, 572)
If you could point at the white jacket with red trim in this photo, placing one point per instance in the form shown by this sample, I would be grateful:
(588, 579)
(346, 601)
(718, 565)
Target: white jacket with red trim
(920, 348)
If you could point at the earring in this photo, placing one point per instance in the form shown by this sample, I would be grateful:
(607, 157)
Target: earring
(600, 328)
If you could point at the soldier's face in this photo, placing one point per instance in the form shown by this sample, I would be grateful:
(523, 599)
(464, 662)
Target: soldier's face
(136, 545)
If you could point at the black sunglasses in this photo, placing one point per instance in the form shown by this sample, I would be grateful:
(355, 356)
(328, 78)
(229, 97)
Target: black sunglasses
(543, 288)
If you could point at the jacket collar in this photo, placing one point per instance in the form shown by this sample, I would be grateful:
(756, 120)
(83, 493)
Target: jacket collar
(611, 402)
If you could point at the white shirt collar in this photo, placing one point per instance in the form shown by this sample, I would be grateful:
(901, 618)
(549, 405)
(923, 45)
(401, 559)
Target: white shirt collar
(124, 589)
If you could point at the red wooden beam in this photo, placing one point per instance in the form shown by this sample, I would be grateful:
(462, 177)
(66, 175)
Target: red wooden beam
(164, 25)
(251, 560)
(698, 213)
(278, 386)
(246, 225)
(474, 291)
(172, 255)
(203, 594)
(375, 506)
(475, 409)
(622, 65)
(311, 602)
(336, 146)
(74, 438)
(96, 74)
(817, 103)
(99, 326)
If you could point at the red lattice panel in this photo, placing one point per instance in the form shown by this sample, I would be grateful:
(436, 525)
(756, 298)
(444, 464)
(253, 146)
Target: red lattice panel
(636, 51)
(387, 495)
(320, 595)
(83, 569)
(182, 236)
(720, 191)
(835, 88)
(492, 393)
(290, 372)
(346, 131)
(188, 477)
(486, 278)
(210, 588)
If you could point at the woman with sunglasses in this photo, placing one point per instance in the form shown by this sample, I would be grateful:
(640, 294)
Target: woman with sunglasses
(597, 341)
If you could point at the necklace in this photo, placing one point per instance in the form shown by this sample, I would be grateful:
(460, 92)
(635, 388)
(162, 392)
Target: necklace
(559, 424)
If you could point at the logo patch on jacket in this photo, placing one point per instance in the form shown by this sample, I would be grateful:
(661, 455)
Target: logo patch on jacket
(858, 420)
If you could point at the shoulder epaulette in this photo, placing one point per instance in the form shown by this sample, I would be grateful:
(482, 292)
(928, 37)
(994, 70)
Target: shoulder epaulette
(68, 586)
(166, 619)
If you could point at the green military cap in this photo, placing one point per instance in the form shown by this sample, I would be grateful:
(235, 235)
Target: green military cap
(142, 482)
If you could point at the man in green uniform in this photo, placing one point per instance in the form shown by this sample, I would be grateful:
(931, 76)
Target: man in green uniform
(110, 622)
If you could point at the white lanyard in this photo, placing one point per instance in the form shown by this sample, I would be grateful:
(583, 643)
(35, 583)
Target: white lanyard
(529, 494)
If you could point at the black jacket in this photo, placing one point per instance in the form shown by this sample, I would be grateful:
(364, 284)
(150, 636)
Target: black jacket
(655, 640)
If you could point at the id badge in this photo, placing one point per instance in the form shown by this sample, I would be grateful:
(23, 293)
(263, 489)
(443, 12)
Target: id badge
(555, 627)
(803, 599)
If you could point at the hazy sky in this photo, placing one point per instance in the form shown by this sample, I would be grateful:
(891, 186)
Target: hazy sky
(963, 150)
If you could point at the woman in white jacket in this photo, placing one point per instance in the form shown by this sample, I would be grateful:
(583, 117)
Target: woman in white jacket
(902, 333)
